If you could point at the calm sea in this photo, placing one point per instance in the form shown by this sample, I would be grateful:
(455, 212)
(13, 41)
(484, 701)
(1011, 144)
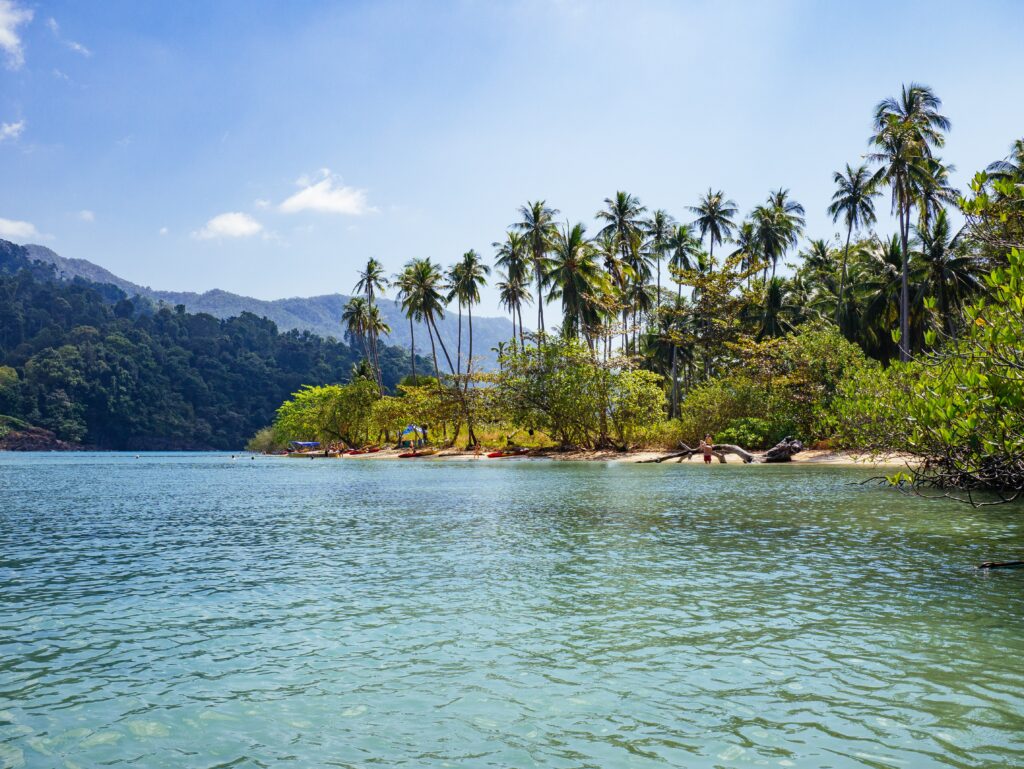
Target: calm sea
(201, 611)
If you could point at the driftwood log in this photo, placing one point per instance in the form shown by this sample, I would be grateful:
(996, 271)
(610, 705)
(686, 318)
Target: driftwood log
(780, 452)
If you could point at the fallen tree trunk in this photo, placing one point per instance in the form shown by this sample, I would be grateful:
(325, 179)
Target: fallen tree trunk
(782, 451)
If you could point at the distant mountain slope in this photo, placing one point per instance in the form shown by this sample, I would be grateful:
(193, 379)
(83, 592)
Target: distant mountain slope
(319, 314)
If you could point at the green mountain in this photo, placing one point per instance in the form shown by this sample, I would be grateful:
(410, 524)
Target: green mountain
(318, 314)
(96, 367)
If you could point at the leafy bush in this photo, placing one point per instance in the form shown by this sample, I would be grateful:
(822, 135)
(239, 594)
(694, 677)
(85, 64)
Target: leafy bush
(754, 432)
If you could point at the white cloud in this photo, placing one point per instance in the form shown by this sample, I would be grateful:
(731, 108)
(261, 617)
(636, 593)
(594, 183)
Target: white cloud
(163, 231)
(11, 130)
(261, 203)
(233, 224)
(54, 27)
(78, 48)
(328, 195)
(13, 16)
(11, 228)
(86, 215)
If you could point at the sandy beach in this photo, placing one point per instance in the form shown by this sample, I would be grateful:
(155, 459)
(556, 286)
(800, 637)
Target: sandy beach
(807, 457)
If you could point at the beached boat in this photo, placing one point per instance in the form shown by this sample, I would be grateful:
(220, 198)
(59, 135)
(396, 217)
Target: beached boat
(420, 453)
(359, 452)
(508, 453)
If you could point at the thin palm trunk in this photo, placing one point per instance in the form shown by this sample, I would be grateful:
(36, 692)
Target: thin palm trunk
(522, 336)
(458, 352)
(905, 286)
(469, 358)
(842, 275)
(412, 349)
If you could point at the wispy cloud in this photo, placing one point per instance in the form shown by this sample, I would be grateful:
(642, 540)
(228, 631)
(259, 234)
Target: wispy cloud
(86, 215)
(233, 224)
(12, 228)
(78, 48)
(13, 16)
(11, 130)
(327, 194)
(163, 231)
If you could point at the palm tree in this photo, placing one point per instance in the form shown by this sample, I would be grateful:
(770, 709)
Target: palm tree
(659, 229)
(537, 223)
(405, 281)
(513, 292)
(453, 278)
(749, 247)
(375, 327)
(427, 285)
(715, 215)
(778, 223)
(512, 254)
(575, 276)
(372, 280)
(851, 201)
(625, 225)
(906, 130)
(1010, 169)
(776, 310)
(471, 275)
(355, 315)
(950, 272)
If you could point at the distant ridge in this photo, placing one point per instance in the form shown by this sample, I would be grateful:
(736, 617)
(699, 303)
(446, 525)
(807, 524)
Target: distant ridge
(318, 314)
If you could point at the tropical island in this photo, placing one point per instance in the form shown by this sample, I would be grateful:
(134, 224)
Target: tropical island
(904, 343)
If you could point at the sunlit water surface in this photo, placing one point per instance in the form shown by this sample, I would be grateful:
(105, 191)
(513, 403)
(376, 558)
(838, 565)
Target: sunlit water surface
(199, 611)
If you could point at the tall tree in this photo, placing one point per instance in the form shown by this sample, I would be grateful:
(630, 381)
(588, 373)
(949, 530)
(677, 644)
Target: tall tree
(405, 281)
(537, 223)
(622, 215)
(513, 256)
(852, 201)
(659, 229)
(575, 278)
(950, 272)
(715, 215)
(907, 128)
(471, 276)
(371, 281)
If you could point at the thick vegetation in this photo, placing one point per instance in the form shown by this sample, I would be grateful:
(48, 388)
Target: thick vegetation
(86, 362)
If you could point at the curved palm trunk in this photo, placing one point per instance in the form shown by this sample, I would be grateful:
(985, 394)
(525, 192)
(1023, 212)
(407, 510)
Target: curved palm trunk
(458, 346)
(412, 349)
(469, 359)
(905, 287)
(842, 275)
(522, 334)
(465, 403)
(540, 291)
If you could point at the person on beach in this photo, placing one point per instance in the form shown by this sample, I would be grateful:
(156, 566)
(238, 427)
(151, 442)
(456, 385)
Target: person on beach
(707, 446)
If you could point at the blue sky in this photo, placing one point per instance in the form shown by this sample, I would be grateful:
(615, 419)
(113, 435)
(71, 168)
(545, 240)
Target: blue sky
(270, 148)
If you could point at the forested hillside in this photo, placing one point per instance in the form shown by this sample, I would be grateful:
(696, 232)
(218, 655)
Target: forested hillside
(95, 367)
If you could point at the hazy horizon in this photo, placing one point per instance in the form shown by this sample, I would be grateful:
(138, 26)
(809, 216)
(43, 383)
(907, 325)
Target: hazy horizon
(267, 149)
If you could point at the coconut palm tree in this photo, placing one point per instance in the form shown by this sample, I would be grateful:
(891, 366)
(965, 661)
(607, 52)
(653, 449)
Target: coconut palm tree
(371, 281)
(907, 128)
(623, 215)
(950, 272)
(852, 201)
(777, 312)
(428, 302)
(715, 215)
(405, 282)
(575, 276)
(748, 247)
(659, 229)
(513, 293)
(470, 275)
(537, 223)
(1010, 169)
(356, 315)
(778, 224)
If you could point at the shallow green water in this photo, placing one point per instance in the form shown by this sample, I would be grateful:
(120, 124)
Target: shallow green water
(194, 611)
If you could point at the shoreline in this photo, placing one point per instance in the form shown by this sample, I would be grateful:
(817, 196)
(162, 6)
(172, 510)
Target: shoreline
(807, 457)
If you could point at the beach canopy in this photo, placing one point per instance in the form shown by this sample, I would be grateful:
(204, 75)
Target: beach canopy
(305, 444)
(413, 429)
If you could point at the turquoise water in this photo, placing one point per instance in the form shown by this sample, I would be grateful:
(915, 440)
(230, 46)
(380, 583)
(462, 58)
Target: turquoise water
(194, 611)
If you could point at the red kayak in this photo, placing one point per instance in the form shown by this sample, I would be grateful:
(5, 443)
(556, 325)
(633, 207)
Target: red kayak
(358, 452)
(500, 454)
(424, 453)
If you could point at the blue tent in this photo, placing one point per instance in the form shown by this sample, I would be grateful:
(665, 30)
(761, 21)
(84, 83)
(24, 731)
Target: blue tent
(410, 429)
(305, 444)
(412, 435)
